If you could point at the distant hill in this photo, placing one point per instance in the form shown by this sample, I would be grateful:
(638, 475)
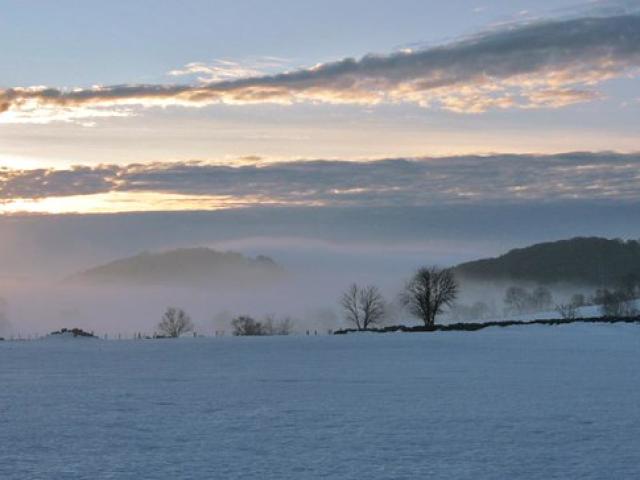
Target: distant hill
(589, 261)
(188, 267)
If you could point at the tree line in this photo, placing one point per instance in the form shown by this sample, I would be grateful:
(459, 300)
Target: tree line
(425, 296)
(175, 322)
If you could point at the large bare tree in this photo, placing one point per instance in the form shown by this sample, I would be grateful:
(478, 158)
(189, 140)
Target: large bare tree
(363, 307)
(175, 322)
(372, 306)
(428, 292)
(350, 305)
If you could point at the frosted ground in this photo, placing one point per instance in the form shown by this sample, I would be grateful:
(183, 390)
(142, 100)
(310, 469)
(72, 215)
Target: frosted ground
(533, 402)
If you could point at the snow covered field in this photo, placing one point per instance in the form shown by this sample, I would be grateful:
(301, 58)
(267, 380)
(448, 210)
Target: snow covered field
(524, 402)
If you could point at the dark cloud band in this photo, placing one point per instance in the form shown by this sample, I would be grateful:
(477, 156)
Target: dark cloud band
(406, 182)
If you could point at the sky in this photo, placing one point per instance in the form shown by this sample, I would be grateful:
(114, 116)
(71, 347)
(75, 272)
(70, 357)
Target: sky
(166, 105)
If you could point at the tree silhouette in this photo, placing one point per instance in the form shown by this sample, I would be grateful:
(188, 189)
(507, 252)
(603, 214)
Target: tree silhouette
(363, 307)
(175, 322)
(428, 292)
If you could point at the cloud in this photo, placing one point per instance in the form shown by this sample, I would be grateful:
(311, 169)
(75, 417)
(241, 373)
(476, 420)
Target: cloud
(390, 182)
(41, 183)
(545, 64)
(222, 70)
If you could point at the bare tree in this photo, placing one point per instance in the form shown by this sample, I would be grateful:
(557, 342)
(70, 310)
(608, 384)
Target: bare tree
(175, 322)
(428, 292)
(246, 326)
(617, 303)
(350, 304)
(273, 326)
(567, 311)
(372, 306)
(364, 307)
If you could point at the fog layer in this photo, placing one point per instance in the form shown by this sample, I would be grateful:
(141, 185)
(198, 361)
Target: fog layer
(322, 251)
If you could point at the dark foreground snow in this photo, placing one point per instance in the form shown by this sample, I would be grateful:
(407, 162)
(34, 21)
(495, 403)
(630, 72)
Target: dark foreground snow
(523, 402)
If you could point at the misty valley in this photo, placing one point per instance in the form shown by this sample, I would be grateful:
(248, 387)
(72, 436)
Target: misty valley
(222, 292)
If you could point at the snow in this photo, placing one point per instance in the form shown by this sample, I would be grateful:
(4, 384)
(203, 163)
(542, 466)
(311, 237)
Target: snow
(534, 402)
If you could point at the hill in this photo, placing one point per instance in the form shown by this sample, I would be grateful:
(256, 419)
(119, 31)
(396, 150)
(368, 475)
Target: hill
(589, 261)
(188, 267)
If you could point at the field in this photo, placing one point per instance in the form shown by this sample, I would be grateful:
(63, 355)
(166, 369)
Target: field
(533, 402)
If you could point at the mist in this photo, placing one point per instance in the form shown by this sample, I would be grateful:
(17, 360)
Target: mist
(321, 250)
